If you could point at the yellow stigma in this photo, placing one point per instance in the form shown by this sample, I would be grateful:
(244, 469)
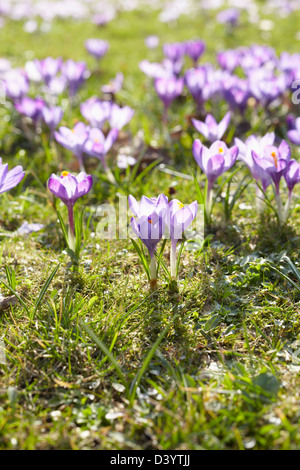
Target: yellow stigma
(64, 173)
(273, 154)
(180, 205)
(221, 150)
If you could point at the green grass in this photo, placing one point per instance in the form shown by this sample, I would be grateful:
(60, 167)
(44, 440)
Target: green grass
(94, 360)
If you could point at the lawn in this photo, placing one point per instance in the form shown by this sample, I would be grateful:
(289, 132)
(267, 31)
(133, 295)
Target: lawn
(92, 358)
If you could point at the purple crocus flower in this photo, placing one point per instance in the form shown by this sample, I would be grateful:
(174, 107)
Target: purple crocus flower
(97, 47)
(292, 174)
(26, 228)
(69, 188)
(57, 85)
(294, 133)
(179, 217)
(229, 16)
(96, 111)
(194, 49)
(197, 82)
(167, 90)
(236, 92)
(273, 161)
(119, 117)
(213, 161)
(174, 51)
(115, 85)
(75, 73)
(10, 179)
(229, 59)
(52, 117)
(73, 139)
(292, 177)
(265, 86)
(15, 85)
(48, 67)
(155, 70)
(97, 145)
(148, 224)
(30, 107)
(245, 154)
(210, 129)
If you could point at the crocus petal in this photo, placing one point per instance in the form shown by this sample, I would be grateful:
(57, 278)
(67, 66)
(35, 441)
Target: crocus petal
(11, 178)
(197, 152)
(201, 127)
(284, 150)
(223, 124)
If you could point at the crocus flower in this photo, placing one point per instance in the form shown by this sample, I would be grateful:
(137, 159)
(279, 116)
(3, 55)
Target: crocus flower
(115, 85)
(48, 68)
(229, 16)
(96, 111)
(179, 217)
(194, 49)
(68, 189)
(26, 228)
(167, 90)
(97, 145)
(174, 51)
(30, 107)
(245, 154)
(294, 133)
(73, 139)
(229, 59)
(210, 129)
(265, 86)
(292, 177)
(273, 161)
(56, 85)
(236, 92)
(119, 117)
(15, 85)
(213, 161)
(10, 179)
(96, 47)
(75, 73)
(292, 174)
(52, 117)
(157, 70)
(148, 224)
(196, 80)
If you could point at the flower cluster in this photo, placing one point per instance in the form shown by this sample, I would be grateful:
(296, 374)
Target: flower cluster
(153, 217)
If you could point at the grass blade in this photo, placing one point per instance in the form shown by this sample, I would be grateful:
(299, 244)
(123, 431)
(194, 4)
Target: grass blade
(16, 295)
(137, 379)
(106, 351)
(44, 289)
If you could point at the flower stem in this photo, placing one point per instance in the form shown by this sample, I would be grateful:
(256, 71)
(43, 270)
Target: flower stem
(287, 208)
(71, 228)
(173, 259)
(208, 205)
(153, 274)
(279, 207)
